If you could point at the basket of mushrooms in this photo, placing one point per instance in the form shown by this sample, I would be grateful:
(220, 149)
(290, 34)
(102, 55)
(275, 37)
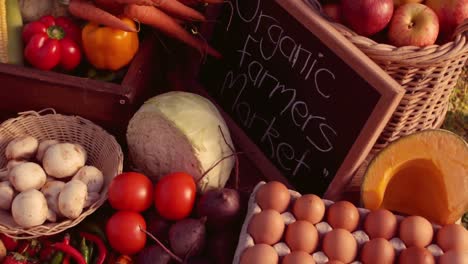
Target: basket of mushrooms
(55, 170)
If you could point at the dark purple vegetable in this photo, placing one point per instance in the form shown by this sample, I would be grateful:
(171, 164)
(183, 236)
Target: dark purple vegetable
(159, 227)
(222, 246)
(200, 260)
(221, 207)
(187, 237)
(153, 254)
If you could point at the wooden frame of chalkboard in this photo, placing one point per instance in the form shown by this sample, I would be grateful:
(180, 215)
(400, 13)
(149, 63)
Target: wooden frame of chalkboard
(355, 86)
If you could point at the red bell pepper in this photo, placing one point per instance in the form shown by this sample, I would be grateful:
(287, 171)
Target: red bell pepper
(51, 42)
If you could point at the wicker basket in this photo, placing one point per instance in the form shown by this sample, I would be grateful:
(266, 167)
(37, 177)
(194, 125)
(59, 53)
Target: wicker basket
(427, 74)
(102, 149)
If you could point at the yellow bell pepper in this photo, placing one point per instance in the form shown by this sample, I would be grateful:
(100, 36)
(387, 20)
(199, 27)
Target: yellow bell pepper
(108, 48)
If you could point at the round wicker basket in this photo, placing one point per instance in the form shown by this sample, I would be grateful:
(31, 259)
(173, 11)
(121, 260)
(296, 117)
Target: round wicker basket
(102, 149)
(428, 74)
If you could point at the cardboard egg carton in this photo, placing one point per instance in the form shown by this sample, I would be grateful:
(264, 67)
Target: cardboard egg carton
(246, 240)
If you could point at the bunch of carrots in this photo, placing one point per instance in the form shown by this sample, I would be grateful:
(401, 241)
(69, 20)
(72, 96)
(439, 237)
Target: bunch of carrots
(167, 16)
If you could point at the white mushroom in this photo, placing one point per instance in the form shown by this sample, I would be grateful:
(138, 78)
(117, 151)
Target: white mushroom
(21, 148)
(51, 215)
(4, 174)
(91, 198)
(63, 160)
(43, 146)
(29, 208)
(51, 191)
(28, 175)
(91, 176)
(13, 163)
(6, 195)
(48, 179)
(72, 199)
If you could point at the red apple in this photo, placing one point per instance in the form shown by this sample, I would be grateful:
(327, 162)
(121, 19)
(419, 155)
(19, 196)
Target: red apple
(332, 11)
(367, 17)
(402, 2)
(413, 25)
(451, 13)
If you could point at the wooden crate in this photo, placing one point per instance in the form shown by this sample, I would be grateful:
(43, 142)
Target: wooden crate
(109, 104)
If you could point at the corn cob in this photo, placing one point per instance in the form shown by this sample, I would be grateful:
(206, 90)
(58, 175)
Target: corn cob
(15, 27)
(11, 24)
(3, 33)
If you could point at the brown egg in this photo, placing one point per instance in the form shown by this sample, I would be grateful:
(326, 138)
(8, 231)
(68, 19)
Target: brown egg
(416, 255)
(302, 236)
(298, 257)
(452, 236)
(266, 227)
(309, 207)
(454, 257)
(343, 214)
(259, 253)
(334, 262)
(339, 244)
(378, 250)
(416, 231)
(380, 223)
(273, 195)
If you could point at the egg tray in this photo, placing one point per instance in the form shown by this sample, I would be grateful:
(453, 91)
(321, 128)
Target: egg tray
(246, 240)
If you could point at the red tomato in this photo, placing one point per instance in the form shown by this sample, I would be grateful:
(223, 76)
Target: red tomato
(124, 233)
(174, 195)
(131, 191)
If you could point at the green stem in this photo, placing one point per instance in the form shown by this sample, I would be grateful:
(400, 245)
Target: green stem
(55, 32)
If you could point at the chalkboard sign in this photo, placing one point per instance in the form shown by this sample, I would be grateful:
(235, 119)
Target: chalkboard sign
(311, 101)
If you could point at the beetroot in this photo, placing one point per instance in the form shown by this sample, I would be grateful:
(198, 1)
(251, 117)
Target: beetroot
(159, 227)
(153, 254)
(221, 207)
(187, 237)
(200, 260)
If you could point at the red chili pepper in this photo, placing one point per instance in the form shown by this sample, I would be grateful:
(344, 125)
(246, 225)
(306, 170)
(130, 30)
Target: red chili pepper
(51, 42)
(46, 253)
(66, 241)
(11, 244)
(29, 248)
(66, 260)
(99, 243)
(71, 251)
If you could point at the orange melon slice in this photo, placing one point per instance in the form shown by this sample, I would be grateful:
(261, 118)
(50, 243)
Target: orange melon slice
(425, 173)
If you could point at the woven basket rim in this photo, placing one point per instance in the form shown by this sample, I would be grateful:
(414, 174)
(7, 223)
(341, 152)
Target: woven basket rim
(58, 227)
(431, 54)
